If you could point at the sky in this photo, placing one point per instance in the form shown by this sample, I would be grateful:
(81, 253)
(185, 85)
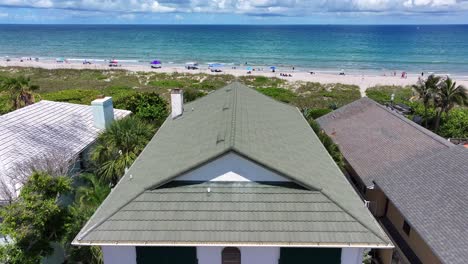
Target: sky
(234, 11)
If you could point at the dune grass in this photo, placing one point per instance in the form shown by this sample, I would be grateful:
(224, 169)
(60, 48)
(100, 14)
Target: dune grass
(82, 86)
(383, 93)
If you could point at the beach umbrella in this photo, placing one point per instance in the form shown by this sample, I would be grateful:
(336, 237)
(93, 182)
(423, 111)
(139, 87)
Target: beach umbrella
(60, 59)
(272, 68)
(215, 65)
(249, 68)
(155, 62)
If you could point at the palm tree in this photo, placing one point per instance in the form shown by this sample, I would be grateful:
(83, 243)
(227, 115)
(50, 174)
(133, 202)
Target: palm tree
(425, 90)
(448, 95)
(20, 89)
(93, 193)
(119, 146)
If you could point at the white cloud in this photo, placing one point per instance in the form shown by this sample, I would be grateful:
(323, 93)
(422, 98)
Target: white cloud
(253, 7)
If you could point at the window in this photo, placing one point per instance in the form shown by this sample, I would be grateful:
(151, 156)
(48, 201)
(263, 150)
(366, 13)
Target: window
(406, 228)
(231, 255)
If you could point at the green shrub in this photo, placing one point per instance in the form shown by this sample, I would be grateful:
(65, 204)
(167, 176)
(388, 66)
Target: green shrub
(5, 105)
(76, 96)
(455, 125)
(191, 94)
(383, 93)
(316, 95)
(118, 92)
(147, 106)
(317, 112)
(328, 143)
(261, 81)
(167, 84)
(279, 94)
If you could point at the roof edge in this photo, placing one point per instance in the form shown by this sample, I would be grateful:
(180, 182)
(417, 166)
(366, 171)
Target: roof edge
(238, 244)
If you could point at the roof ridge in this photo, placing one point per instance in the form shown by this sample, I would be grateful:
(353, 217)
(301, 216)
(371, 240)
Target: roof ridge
(232, 140)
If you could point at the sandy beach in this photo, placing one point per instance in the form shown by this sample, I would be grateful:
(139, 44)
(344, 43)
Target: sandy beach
(363, 80)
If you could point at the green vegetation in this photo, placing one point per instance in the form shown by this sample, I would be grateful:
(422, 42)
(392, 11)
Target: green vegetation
(262, 82)
(329, 145)
(425, 89)
(383, 94)
(440, 102)
(118, 147)
(316, 95)
(35, 220)
(19, 90)
(76, 96)
(280, 94)
(316, 113)
(88, 197)
(147, 106)
(82, 86)
(446, 96)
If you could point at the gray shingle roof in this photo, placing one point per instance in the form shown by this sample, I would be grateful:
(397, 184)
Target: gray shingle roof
(432, 194)
(247, 213)
(424, 175)
(374, 139)
(46, 127)
(233, 119)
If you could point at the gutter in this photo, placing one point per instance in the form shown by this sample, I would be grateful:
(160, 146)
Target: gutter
(240, 244)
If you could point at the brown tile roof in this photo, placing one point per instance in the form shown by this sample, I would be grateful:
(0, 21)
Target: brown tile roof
(374, 139)
(424, 175)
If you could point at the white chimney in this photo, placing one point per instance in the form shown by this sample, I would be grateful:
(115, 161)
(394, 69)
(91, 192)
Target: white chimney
(103, 112)
(177, 102)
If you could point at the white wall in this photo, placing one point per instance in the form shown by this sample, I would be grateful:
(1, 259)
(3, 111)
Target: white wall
(212, 255)
(249, 255)
(231, 167)
(119, 254)
(351, 255)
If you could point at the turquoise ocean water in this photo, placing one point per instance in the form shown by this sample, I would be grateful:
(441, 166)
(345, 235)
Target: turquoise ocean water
(441, 49)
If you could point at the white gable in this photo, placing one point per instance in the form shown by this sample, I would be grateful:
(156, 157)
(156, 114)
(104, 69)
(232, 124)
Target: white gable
(232, 167)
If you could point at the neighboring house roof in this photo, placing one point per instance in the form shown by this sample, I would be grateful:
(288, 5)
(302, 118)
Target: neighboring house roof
(374, 139)
(432, 194)
(424, 175)
(46, 127)
(241, 120)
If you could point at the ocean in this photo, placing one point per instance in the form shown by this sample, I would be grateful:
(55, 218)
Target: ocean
(428, 48)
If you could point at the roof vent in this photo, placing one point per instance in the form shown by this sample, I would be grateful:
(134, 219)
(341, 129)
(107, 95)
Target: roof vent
(219, 139)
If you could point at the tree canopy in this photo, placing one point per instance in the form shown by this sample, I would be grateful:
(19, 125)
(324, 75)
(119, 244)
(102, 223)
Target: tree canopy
(147, 106)
(36, 219)
(117, 148)
(20, 90)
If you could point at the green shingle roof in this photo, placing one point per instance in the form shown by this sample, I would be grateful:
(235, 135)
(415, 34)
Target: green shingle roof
(241, 120)
(251, 213)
